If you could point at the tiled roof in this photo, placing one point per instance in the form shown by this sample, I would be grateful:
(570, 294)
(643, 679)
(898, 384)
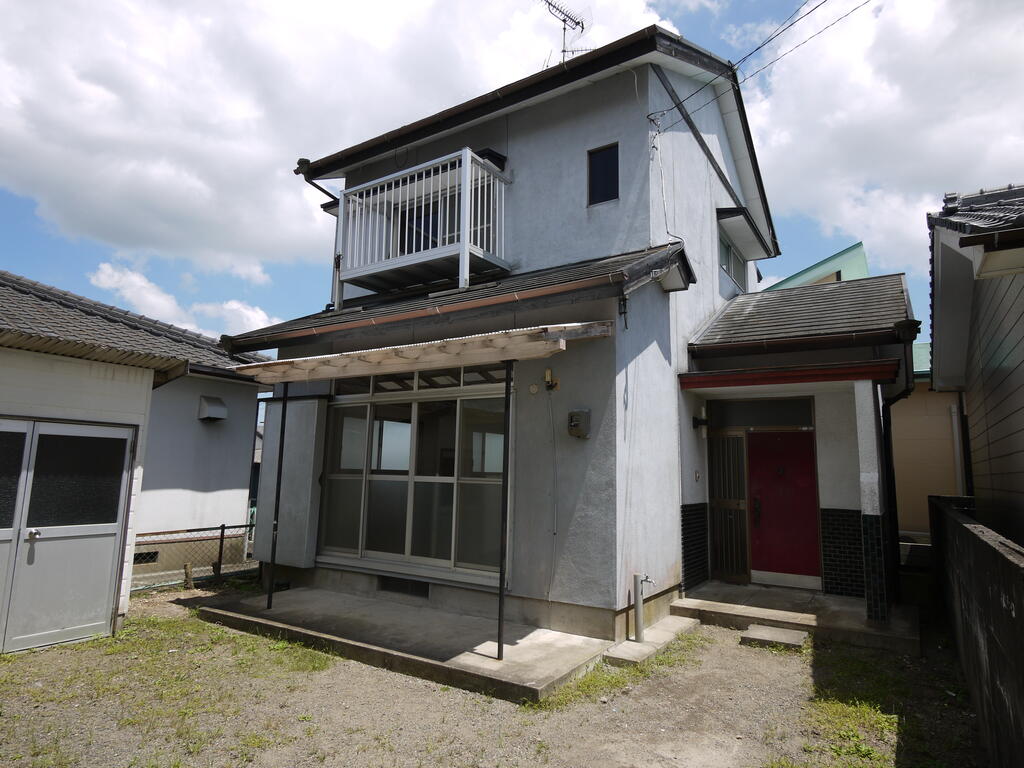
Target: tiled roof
(42, 318)
(622, 269)
(982, 212)
(828, 309)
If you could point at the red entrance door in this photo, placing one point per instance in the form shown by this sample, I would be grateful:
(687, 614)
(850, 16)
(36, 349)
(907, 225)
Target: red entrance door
(783, 503)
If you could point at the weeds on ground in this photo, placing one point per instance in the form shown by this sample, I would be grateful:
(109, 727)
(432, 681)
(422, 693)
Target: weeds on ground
(605, 679)
(174, 682)
(874, 709)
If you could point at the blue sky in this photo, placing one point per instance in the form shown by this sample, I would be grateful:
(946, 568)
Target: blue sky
(145, 158)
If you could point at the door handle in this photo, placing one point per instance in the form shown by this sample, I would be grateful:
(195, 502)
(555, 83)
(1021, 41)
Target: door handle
(33, 533)
(757, 513)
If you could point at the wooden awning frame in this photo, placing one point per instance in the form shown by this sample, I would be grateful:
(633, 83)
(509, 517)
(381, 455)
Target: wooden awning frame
(479, 349)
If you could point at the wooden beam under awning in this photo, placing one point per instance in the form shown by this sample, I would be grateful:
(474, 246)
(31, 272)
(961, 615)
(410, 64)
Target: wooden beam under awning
(516, 344)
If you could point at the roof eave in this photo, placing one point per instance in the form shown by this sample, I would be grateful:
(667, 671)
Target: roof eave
(652, 39)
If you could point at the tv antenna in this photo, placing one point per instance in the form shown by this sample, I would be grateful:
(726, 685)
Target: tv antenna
(570, 21)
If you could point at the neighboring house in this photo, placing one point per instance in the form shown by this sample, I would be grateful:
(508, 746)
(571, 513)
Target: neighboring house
(848, 264)
(89, 396)
(926, 440)
(977, 252)
(927, 443)
(533, 231)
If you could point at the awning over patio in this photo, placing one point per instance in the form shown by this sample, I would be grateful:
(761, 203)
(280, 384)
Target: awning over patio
(514, 344)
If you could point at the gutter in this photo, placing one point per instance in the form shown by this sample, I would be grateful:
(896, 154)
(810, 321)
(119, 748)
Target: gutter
(853, 339)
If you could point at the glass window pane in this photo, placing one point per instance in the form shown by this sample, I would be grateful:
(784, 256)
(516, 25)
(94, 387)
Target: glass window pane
(492, 373)
(432, 520)
(389, 448)
(385, 516)
(342, 512)
(435, 438)
(76, 480)
(12, 450)
(394, 382)
(347, 440)
(359, 385)
(603, 174)
(482, 441)
(478, 536)
(445, 377)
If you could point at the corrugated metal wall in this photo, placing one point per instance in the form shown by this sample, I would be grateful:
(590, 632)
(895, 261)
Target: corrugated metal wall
(994, 403)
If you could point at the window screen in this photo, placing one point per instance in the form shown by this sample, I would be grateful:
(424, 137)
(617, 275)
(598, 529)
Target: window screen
(796, 412)
(603, 174)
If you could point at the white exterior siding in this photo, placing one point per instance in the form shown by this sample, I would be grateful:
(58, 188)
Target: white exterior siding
(197, 473)
(50, 387)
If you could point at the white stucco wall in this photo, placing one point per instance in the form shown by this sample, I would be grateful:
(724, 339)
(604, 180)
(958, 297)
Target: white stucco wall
(51, 387)
(647, 446)
(547, 219)
(197, 472)
(835, 435)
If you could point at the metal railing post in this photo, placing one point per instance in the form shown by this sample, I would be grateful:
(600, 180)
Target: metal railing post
(220, 554)
(277, 497)
(466, 214)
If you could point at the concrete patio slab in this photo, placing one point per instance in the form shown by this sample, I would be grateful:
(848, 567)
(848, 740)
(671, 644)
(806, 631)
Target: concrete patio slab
(446, 647)
(656, 637)
(737, 606)
(766, 637)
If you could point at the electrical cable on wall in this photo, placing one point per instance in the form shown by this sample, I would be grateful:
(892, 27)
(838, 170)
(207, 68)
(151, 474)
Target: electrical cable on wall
(554, 495)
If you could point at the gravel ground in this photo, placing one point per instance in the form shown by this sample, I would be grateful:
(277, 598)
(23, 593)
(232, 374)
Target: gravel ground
(207, 696)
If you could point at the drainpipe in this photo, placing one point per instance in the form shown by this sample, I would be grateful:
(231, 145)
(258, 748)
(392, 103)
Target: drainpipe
(907, 331)
(277, 496)
(503, 546)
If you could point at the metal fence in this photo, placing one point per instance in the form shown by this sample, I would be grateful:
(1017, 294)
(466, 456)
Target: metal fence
(170, 558)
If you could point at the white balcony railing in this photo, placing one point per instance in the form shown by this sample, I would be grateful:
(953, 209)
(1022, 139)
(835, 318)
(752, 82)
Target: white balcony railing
(419, 225)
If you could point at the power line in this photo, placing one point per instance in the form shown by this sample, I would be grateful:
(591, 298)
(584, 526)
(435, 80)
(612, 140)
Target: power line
(784, 55)
(769, 64)
(783, 27)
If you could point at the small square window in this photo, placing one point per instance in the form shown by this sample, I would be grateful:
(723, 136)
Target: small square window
(603, 174)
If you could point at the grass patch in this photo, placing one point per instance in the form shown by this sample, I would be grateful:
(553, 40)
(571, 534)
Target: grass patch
(605, 679)
(172, 683)
(875, 709)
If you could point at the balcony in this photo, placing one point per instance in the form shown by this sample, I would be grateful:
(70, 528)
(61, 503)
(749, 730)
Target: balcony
(419, 227)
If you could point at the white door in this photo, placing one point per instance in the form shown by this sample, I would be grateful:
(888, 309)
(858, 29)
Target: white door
(65, 541)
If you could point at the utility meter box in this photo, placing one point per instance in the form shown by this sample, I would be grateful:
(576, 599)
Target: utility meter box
(579, 423)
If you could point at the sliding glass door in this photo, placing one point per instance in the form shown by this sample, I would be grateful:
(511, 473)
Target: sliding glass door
(414, 474)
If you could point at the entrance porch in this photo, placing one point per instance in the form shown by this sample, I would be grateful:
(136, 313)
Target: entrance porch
(832, 617)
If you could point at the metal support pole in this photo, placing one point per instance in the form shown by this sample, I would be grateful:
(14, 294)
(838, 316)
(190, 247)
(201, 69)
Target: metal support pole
(277, 497)
(503, 547)
(220, 552)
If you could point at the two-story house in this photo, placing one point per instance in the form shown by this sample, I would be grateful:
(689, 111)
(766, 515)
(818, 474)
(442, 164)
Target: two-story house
(541, 315)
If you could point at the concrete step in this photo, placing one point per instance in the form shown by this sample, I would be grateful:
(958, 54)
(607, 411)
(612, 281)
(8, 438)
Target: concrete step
(766, 637)
(739, 616)
(656, 637)
(846, 627)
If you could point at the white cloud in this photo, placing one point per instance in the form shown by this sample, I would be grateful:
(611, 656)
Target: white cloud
(236, 316)
(865, 127)
(768, 281)
(170, 130)
(146, 298)
(689, 6)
